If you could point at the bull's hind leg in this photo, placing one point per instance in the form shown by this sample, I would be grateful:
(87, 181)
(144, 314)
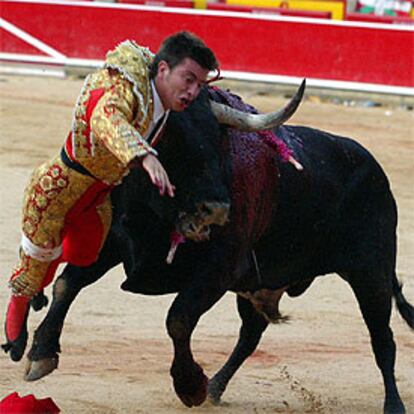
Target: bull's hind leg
(253, 326)
(43, 356)
(373, 290)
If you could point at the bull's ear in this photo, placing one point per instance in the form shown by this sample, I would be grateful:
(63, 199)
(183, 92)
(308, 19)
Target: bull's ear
(257, 122)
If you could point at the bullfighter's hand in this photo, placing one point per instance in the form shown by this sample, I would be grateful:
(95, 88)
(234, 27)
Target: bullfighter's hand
(157, 174)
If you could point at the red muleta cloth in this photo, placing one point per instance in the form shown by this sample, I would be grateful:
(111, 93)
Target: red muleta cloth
(14, 404)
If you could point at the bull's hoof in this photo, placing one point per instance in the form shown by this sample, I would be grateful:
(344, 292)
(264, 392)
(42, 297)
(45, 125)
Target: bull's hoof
(215, 391)
(39, 369)
(17, 347)
(191, 389)
(214, 399)
(198, 397)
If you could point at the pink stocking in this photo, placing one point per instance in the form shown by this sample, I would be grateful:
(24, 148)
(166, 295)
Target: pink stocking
(16, 316)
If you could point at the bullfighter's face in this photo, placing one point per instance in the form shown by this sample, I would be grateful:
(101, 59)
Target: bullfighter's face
(179, 86)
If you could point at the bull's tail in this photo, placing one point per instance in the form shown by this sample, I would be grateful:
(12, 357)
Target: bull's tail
(404, 307)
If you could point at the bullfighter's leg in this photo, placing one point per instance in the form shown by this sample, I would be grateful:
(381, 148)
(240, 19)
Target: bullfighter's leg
(54, 196)
(43, 356)
(253, 326)
(190, 382)
(374, 296)
(18, 313)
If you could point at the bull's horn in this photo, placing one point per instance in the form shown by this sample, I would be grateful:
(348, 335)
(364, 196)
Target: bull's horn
(257, 122)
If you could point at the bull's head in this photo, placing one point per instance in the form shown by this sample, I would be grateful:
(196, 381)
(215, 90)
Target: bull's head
(204, 169)
(192, 151)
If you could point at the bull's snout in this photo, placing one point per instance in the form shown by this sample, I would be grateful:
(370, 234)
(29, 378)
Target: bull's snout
(197, 226)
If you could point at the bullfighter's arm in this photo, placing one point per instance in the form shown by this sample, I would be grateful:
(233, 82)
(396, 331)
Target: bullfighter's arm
(111, 122)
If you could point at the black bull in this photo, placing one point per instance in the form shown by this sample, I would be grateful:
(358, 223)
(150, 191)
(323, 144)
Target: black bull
(285, 228)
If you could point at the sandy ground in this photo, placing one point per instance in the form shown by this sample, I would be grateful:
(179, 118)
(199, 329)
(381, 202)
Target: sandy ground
(116, 353)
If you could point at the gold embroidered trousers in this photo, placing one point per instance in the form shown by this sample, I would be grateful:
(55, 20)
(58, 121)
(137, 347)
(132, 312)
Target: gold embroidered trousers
(66, 213)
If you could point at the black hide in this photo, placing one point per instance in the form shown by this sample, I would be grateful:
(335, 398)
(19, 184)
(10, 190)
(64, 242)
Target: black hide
(338, 215)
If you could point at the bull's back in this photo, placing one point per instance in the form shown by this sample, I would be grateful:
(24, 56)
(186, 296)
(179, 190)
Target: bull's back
(338, 212)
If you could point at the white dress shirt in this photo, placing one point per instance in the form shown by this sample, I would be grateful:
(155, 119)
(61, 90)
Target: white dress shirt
(158, 113)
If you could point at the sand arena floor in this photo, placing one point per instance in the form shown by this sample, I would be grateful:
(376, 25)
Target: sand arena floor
(115, 351)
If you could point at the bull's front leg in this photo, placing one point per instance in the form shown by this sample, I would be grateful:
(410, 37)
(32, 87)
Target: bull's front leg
(190, 382)
(43, 357)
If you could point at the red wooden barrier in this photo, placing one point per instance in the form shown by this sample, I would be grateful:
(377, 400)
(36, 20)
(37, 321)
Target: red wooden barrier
(256, 46)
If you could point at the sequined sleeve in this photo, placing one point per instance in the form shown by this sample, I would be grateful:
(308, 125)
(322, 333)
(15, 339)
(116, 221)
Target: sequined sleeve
(111, 122)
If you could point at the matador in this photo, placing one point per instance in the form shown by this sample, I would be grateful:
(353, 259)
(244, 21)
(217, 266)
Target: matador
(118, 117)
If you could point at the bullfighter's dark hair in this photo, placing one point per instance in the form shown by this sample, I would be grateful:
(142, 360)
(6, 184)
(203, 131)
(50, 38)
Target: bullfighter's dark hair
(181, 45)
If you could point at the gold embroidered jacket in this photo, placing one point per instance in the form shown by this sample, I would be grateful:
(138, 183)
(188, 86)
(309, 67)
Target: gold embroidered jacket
(113, 113)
